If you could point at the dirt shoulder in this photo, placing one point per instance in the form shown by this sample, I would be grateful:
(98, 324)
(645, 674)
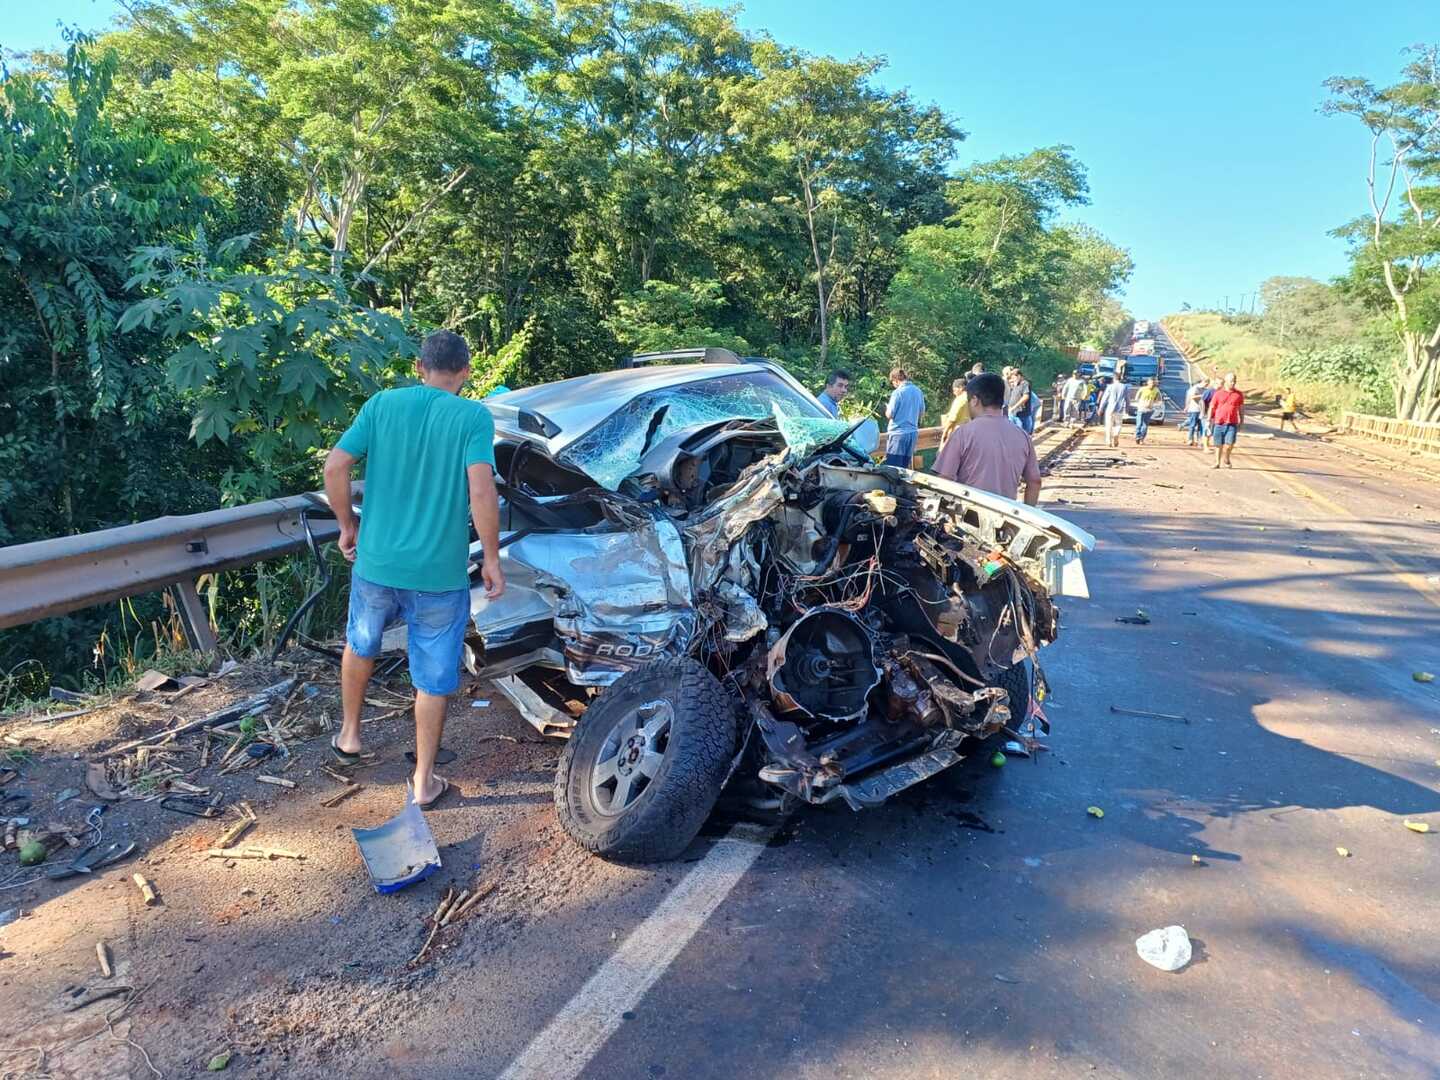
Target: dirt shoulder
(281, 962)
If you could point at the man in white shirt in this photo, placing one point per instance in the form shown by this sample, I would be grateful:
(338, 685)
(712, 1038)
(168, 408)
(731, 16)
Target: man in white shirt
(1113, 403)
(1072, 392)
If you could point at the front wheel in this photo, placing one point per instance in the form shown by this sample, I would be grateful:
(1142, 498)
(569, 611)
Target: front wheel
(646, 762)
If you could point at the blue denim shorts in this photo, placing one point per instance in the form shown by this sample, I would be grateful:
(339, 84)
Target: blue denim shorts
(435, 622)
(1224, 434)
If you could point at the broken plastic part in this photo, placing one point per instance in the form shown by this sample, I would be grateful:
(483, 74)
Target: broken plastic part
(400, 852)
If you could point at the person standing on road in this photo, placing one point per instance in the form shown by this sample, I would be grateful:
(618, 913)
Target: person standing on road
(836, 387)
(990, 452)
(906, 406)
(1208, 395)
(1145, 401)
(1017, 401)
(1194, 414)
(1288, 408)
(429, 457)
(1072, 393)
(958, 413)
(1112, 410)
(1227, 415)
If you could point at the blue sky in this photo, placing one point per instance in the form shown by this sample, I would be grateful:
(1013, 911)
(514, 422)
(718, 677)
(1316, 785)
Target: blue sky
(1199, 124)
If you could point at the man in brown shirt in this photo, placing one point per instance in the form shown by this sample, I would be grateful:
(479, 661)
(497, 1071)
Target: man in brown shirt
(989, 452)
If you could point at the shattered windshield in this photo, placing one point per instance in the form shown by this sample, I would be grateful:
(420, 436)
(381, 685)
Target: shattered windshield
(611, 450)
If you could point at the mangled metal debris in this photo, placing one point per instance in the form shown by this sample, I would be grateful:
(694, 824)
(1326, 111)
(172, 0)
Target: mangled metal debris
(748, 600)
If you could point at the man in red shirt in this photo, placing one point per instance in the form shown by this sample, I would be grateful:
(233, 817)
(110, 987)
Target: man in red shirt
(1227, 414)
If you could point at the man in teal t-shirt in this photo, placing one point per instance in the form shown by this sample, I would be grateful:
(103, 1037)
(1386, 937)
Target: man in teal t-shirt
(429, 472)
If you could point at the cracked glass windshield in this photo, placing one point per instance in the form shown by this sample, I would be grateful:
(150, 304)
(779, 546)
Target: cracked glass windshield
(611, 451)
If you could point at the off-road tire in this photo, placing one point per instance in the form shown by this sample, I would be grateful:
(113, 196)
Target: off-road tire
(668, 814)
(1016, 682)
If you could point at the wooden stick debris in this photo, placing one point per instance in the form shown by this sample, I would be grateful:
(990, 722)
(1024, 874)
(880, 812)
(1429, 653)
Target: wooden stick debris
(455, 907)
(435, 921)
(476, 897)
(1145, 713)
(278, 781)
(253, 853)
(239, 709)
(234, 832)
(103, 955)
(341, 796)
(147, 890)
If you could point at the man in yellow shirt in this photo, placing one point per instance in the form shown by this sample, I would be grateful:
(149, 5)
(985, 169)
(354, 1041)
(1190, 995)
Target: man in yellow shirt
(1145, 400)
(1289, 406)
(957, 414)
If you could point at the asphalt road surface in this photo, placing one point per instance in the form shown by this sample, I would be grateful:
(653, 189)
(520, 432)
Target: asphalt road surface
(981, 925)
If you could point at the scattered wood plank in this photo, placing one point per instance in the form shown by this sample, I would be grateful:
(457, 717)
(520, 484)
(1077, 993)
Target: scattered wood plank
(230, 711)
(234, 832)
(253, 853)
(278, 781)
(147, 890)
(103, 955)
(341, 796)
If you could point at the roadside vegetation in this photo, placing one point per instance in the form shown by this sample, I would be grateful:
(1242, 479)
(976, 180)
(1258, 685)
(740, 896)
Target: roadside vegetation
(1311, 338)
(227, 222)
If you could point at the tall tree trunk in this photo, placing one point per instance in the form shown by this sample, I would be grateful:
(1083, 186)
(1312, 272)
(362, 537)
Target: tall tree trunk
(67, 501)
(1417, 386)
(819, 268)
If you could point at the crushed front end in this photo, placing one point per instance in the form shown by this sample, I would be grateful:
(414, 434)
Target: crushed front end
(874, 624)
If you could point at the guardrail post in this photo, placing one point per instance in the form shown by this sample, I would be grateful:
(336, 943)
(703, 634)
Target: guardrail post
(194, 617)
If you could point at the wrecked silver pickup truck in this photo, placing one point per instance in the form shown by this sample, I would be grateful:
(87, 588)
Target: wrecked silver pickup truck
(711, 586)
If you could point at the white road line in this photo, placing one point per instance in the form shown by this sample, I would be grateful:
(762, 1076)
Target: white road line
(578, 1031)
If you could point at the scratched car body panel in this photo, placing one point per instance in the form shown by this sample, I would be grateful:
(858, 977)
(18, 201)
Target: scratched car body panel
(710, 550)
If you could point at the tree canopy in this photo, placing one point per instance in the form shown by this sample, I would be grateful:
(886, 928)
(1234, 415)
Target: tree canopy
(226, 222)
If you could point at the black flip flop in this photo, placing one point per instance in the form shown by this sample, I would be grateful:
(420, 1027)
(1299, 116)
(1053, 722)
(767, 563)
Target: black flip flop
(442, 756)
(445, 788)
(345, 757)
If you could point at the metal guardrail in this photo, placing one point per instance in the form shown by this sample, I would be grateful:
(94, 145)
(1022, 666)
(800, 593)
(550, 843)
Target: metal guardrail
(1420, 435)
(53, 577)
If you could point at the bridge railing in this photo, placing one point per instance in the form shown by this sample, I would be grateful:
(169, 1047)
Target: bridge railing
(1419, 435)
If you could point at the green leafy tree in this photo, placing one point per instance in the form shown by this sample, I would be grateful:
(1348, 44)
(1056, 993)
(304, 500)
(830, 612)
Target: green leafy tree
(828, 140)
(374, 109)
(1396, 246)
(279, 353)
(80, 405)
(663, 316)
(932, 323)
(1302, 312)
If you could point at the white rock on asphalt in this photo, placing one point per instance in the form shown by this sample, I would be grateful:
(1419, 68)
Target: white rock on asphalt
(1167, 948)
